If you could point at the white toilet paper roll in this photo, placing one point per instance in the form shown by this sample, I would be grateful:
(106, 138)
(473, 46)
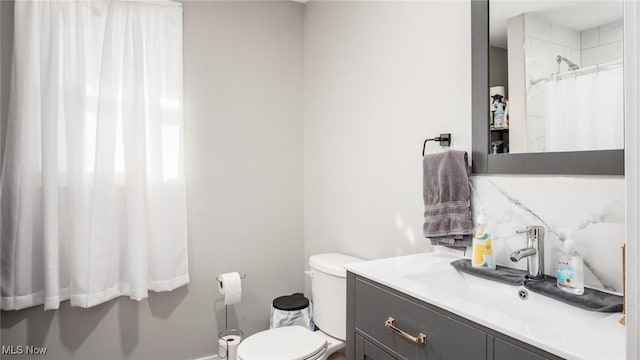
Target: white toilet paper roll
(228, 346)
(230, 286)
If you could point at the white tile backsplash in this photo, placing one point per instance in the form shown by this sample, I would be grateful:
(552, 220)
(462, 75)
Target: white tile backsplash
(565, 36)
(540, 57)
(602, 44)
(537, 28)
(576, 56)
(535, 128)
(611, 32)
(602, 54)
(590, 38)
(536, 100)
(588, 209)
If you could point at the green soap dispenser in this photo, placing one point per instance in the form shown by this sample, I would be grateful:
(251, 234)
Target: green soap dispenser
(482, 246)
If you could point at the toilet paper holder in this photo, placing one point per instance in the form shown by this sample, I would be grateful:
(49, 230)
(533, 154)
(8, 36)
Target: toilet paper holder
(226, 307)
(242, 277)
(228, 341)
(227, 336)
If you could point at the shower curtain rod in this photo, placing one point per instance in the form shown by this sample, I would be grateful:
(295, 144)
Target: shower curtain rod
(581, 71)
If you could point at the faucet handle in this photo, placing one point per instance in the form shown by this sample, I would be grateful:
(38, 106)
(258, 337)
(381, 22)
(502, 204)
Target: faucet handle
(532, 230)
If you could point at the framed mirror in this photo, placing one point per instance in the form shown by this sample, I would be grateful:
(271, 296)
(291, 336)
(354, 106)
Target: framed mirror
(547, 82)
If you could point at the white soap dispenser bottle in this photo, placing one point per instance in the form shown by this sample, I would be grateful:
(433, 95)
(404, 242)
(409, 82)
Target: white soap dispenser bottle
(570, 269)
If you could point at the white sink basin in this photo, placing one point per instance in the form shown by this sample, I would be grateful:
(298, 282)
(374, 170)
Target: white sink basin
(503, 301)
(561, 329)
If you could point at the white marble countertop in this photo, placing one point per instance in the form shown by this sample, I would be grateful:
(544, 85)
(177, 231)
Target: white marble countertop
(567, 331)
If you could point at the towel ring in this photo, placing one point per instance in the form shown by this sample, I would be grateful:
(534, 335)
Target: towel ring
(443, 139)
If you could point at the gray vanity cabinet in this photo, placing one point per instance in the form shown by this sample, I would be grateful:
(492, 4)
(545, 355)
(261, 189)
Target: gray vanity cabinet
(503, 350)
(367, 351)
(374, 310)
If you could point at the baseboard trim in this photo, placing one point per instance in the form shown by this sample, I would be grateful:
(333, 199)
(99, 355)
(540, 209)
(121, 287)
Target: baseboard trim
(210, 357)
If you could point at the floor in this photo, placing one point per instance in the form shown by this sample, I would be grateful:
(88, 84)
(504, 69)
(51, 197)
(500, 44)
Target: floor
(338, 356)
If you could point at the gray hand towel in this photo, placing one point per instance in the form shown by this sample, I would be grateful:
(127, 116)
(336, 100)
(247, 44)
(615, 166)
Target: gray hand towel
(447, 215)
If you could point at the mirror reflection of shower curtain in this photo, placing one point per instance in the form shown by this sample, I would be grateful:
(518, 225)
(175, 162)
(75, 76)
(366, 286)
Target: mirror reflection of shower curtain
(585, 112)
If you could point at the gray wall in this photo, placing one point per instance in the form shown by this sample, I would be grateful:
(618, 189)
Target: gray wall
(380, 77)
(243, 74)
(499, 68)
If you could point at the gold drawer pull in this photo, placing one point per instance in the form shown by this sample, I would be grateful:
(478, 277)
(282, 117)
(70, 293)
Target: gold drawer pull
(391, 324)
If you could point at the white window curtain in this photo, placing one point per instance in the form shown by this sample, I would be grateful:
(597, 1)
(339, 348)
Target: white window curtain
(92, 186)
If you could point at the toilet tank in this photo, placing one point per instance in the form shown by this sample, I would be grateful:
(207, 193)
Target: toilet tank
(329, 292)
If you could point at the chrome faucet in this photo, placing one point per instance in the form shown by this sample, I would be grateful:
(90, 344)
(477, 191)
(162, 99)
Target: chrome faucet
(534, 252)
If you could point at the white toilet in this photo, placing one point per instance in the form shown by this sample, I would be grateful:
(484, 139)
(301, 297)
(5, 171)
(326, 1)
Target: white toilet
(329, 287)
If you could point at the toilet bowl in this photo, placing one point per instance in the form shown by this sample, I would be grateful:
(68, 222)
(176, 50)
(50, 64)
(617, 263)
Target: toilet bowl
(328, 284)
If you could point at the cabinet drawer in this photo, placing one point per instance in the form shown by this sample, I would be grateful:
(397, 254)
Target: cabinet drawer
(446, 338)
(367, 351)
(503, 350)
